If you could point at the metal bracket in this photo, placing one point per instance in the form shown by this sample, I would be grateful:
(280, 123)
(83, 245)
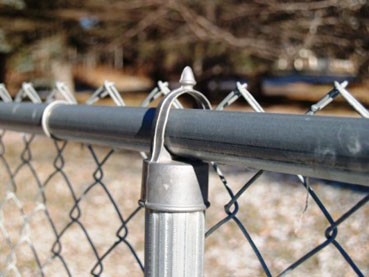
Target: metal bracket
(46, 115)
(172, 185)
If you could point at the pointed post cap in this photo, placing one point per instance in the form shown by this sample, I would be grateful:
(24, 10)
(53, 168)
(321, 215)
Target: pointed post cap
(187, 78)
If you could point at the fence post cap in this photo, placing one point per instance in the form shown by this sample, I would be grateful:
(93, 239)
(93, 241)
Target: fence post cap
(187, 78)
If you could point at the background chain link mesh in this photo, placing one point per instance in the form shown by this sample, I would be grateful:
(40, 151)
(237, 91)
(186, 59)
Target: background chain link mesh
(68, 209)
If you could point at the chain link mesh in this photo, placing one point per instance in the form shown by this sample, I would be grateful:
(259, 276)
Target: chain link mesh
(74, 216)
(232, 207)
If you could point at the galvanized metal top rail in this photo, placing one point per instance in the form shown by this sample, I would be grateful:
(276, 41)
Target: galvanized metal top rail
(333, 148)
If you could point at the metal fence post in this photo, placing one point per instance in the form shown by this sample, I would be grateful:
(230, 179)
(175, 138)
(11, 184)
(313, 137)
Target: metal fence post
(174, 194)
(174, 219)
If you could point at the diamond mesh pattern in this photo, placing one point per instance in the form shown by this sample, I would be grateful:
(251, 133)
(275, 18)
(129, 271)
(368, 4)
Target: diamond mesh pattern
(76, 218)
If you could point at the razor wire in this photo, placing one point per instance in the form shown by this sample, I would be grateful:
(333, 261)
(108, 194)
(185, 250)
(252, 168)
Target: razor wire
(231, 208)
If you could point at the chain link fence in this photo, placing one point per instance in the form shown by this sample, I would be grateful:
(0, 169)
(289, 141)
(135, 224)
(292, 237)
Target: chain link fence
(69, 209)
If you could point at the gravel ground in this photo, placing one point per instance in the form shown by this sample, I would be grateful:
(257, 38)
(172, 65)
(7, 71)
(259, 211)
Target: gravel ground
(271, 210)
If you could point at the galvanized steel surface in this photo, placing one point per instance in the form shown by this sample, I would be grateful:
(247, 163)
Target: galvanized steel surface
(174, 244)
(325, 147)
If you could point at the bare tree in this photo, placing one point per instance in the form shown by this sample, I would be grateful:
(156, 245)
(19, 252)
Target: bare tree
(159, 36)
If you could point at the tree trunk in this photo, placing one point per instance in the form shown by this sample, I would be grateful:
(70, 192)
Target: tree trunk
(62, 72)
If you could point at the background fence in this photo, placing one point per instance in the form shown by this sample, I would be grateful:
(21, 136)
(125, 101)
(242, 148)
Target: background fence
(69, 208)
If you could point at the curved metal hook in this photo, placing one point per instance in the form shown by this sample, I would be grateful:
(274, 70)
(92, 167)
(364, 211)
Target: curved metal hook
(158, 150)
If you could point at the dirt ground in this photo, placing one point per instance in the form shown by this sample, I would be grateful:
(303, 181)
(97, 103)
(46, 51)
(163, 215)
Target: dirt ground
(271, 210)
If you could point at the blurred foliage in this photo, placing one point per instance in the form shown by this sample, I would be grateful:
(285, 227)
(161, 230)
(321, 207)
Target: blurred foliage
(159, 37)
